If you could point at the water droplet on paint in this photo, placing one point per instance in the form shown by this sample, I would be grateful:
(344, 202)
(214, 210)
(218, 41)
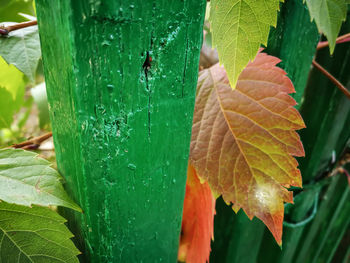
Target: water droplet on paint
(131, 166)
(105, 43)
(110, 88)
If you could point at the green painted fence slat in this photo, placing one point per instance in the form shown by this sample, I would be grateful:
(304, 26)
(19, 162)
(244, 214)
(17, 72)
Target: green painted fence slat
(330, 125)
(233, 240)
(327, 131)
(291, 236)
(347, 256)
(223, 225)
(318, 232)
(294, 41)
(342, 253)
(326, 134)
(338, 225)
(244, 243)
(121, 79)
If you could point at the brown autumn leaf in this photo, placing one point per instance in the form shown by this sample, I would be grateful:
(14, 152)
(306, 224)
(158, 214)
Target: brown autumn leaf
(197, 220)
(243, 140)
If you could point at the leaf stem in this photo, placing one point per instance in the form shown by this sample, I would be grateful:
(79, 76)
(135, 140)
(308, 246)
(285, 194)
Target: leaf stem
(331, 78)
(33, 142)
(5, 30)
(340, 39)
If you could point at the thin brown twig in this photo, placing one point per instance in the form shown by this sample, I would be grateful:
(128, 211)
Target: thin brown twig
(7, 29)
(331, 78)
(324, 44)
(340, 168)
(33, 143)
(344, 171)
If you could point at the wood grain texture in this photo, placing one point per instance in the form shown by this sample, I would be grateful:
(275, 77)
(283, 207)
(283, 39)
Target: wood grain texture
(121, 79)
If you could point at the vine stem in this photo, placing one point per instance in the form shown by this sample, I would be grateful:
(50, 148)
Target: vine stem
(331, 78)
(33, 143)
(7, 29)
(341, 39)
(344, 171)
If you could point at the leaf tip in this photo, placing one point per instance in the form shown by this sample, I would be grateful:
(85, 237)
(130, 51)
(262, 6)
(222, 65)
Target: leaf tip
(78, 209)
(235, 208)
(233, 82)
(280, 244)
(331, 47)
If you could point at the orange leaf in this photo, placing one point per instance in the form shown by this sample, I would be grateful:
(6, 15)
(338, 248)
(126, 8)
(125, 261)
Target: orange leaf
(243, 141)
(197, 220)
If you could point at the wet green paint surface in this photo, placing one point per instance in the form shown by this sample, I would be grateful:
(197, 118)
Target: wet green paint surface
(121, 79)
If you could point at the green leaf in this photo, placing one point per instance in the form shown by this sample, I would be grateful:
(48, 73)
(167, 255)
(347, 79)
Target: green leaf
(239, 28)
(26, 179)
(12, 85)
(40, 99)
(22, 49)
(34, 234)
(9, 9)
(7, 108)
(328, 15)
(24, 115)
(29, 17)
(11, 78)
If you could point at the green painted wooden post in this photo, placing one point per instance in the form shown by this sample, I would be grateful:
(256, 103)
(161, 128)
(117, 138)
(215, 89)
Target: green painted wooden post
(121, 79)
